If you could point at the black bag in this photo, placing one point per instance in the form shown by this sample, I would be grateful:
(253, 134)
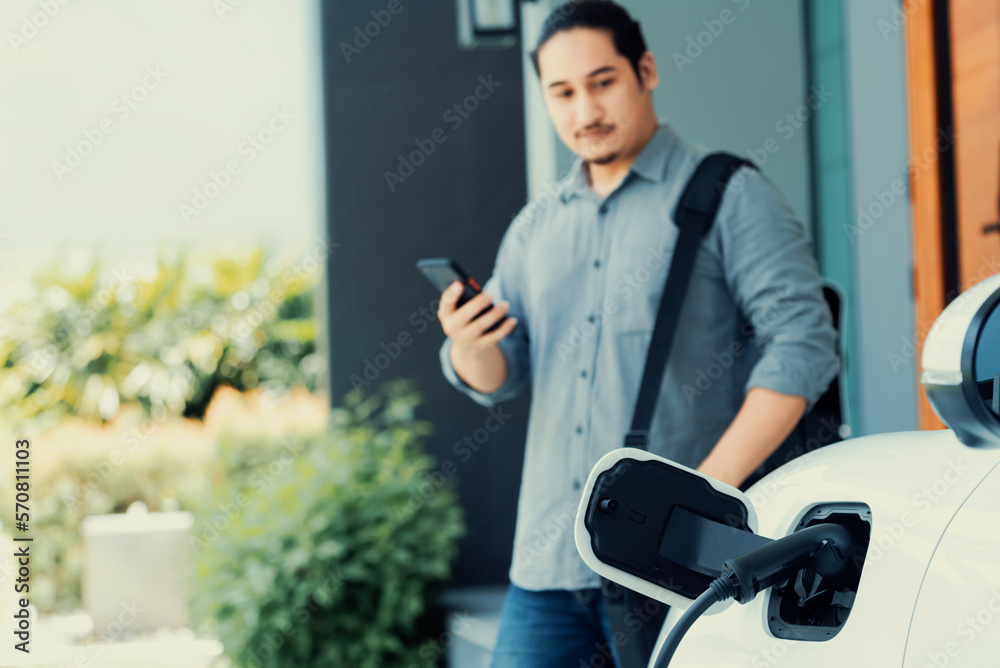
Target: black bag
(636, 619)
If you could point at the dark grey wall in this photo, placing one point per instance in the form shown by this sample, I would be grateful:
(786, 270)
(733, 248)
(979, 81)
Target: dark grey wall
(396, 90)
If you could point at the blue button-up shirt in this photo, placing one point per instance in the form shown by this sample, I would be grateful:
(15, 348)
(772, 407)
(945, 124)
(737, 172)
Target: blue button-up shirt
(584, 276)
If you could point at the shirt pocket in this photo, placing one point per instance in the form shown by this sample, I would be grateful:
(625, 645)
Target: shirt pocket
(629, 351)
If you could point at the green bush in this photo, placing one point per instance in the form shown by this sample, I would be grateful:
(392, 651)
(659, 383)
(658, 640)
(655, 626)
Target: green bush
(82, 345)
(92, 347)
(325, 552)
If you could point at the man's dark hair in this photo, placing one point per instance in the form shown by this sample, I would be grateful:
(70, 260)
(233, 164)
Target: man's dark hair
(597, 14)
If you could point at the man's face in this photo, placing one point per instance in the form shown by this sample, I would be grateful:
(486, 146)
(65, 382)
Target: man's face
(593, 95)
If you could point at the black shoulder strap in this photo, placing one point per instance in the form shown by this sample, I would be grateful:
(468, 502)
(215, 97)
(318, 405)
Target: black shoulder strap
(694, 215)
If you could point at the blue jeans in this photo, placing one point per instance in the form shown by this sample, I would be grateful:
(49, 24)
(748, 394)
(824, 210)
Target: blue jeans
(554, 628)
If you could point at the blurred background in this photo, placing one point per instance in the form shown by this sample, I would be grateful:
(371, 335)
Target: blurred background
(243, 451)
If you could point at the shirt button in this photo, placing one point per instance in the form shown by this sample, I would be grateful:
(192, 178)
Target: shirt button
(576, 484)
(583, 374)
(591, 318)
(597, 263)
(579, 429)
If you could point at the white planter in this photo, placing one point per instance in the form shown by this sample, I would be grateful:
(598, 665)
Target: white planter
(136, 570)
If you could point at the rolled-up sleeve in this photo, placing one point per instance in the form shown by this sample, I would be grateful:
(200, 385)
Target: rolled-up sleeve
(505, 284)
(773, 275)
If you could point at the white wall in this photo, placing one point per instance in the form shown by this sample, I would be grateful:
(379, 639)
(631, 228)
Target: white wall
(222, 75)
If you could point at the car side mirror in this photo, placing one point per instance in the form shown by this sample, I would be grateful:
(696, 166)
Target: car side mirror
(961, 365)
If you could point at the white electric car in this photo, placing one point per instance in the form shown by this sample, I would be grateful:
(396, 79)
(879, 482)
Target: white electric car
(881, 551)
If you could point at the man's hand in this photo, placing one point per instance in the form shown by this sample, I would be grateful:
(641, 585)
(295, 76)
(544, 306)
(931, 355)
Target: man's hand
(468, 334)
(475, 355)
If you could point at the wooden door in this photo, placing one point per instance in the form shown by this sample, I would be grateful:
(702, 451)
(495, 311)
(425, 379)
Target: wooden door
(955, 138)
(975, 40)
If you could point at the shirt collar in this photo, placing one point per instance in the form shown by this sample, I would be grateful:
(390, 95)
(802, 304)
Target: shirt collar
(650, 164)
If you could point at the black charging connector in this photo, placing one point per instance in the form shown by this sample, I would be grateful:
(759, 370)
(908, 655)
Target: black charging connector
(823, 548)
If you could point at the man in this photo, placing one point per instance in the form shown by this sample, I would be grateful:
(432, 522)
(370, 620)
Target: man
(581, 277)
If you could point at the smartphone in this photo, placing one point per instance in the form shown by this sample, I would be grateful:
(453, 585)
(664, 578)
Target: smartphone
(442, 272)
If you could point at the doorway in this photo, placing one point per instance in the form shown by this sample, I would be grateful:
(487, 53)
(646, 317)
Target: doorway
(953, 53)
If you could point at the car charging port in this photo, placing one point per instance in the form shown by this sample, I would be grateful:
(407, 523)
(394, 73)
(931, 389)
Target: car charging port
(814, 607)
